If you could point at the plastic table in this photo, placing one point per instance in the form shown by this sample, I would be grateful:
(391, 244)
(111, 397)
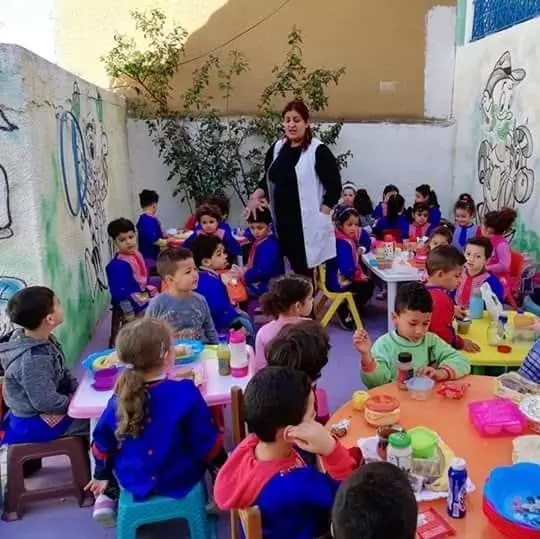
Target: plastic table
(488, 355)
(392, 277)
(450, 419)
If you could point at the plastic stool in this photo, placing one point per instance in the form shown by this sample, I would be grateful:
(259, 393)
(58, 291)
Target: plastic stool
(192, 508)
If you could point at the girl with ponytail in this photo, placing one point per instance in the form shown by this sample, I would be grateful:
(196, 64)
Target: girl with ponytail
(465, 227)
(424, 193)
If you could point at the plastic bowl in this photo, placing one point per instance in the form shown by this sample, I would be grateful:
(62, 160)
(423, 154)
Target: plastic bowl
(105, 379)
(463, 326)
(423, 442)
(420, 387)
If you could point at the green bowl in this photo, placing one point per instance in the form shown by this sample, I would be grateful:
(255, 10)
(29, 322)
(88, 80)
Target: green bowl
(423, 441)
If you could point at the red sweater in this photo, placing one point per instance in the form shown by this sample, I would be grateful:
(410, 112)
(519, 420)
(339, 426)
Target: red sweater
(443, 316)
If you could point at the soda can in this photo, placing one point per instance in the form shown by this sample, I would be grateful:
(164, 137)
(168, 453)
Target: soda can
(457, 488)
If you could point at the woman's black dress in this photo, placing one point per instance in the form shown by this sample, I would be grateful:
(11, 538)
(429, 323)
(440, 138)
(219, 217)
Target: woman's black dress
(286, 199)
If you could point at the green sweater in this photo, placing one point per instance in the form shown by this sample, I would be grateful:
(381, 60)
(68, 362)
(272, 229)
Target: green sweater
(431, 350)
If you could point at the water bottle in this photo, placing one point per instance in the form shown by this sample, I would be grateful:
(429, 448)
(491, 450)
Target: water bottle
(239, 357)
(457, 488)
(224, 356)
(476, 304)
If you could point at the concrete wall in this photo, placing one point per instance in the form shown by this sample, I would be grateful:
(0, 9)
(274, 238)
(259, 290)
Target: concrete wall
(497, 84)
(49, 121)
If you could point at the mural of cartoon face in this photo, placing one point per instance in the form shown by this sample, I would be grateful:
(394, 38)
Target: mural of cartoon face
(5, 211)
(9, 286)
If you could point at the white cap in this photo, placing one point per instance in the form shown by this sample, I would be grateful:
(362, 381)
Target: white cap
(458, 464)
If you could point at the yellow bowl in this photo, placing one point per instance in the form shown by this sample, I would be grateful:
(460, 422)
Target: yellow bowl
(359, 399)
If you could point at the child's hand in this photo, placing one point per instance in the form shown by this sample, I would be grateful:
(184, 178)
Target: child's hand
(361, 341)
(439, 375)
(460, 312)
(312, 437)
(470, 346)
(96, 487)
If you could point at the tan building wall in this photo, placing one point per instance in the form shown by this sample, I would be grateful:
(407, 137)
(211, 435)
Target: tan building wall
(382, 44)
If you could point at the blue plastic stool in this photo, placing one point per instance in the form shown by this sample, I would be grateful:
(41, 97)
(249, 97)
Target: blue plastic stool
(192, 508)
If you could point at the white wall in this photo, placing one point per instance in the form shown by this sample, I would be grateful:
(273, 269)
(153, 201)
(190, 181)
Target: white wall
(45, 243)
(498, 126)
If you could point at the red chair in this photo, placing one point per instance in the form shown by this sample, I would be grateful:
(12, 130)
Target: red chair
(517, 263)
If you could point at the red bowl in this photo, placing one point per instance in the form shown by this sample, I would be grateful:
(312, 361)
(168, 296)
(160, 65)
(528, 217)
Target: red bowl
(504, 348)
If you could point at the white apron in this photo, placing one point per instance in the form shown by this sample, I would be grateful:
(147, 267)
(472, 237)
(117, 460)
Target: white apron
(318, 229)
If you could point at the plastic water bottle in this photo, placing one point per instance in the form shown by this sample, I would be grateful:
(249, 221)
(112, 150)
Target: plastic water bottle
(457, 488)
(239, 358)
(476, 304)
(224, 356)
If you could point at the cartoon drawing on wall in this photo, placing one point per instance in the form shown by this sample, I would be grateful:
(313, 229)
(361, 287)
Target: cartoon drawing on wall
(84, 151)
(8, 287)
(5, 211)
(5, 124)
(503, 170)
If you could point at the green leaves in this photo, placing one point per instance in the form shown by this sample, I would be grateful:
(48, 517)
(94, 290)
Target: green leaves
(208, 153)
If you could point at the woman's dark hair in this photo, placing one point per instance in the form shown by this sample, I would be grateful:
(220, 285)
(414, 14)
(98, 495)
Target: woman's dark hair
(413, 297)
(119, 226)
(297, 105)
(482, 242)
(30, 306)
(211, 210)
(343, 214)
(390, 188)
(362, 203)
(147, 197)
(284, 292)
(394, 207)
(442, 230)
(276, 397)
(465, 202)
(303, 346)
(427, 192)
(500, 221)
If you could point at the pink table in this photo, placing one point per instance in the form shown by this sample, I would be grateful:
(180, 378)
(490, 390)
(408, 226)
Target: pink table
(87, 403)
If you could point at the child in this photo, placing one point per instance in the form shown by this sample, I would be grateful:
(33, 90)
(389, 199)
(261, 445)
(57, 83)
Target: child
(496, 224)
(289, 300)
(209, 218)
(440, 235)
(424, 193)
(221, 202)
(151, 236)
(274, 467)
(156, 435)
(530, 368)
(363, 205)
(344, 272)
(465, 211)
(375, 502)
(127, 273)
(265, 260)
(444, 267)
(381, 208)
(37, 384)
(210, 258)
(303, 346)
(477, 253)
(420, 227)
(186, 311)
(347, 195)
(431, 355)
(394, 221)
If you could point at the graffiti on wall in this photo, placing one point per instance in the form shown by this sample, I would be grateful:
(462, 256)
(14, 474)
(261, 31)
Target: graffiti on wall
(84, 152)
(503, 169)
(5, 211)
(8, 287)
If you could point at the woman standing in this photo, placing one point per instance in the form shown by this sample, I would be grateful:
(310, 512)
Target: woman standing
(303, 184)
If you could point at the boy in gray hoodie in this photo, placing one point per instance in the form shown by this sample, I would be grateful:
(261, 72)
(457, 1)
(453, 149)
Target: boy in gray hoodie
(37, 384)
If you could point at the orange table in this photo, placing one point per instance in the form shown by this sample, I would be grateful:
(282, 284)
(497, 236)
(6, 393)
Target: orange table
(450, 419)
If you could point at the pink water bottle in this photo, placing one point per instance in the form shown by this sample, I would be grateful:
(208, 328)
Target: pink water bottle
(239, 357)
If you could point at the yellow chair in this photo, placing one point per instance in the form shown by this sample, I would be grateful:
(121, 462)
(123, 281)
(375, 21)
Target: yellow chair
(337, 298)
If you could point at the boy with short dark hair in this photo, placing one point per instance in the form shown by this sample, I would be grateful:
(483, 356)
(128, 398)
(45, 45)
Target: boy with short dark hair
(185, 310)
(127, 274)
(431, 355)
(151, 236)
(38, 386)
(265, 259)
(273, 469)
(210, 258)
(477, 253)
(375, 502)
(444, 267)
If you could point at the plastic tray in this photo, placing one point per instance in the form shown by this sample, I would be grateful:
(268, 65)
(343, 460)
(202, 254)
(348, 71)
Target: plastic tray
(497, 417)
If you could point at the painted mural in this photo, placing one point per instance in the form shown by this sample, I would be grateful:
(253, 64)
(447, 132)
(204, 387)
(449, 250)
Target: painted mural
(5, 209)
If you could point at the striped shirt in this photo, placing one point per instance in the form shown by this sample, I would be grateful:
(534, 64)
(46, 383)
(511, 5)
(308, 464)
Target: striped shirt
(530, 368)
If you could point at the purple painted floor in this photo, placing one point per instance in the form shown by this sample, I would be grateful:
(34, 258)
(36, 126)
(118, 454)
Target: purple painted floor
(64, 519)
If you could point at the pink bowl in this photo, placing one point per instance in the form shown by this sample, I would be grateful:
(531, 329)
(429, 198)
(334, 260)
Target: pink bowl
(105, 379)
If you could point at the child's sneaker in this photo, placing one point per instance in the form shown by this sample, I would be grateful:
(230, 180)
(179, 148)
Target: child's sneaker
(105, 511)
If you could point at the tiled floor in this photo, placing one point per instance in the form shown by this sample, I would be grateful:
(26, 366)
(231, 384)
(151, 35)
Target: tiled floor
(64, 519)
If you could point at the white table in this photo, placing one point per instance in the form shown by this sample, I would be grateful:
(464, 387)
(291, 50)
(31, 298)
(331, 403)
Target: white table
(399, 273)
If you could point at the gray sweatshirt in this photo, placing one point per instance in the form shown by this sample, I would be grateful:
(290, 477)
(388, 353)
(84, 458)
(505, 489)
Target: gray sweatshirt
(189, 313)
(36, 379)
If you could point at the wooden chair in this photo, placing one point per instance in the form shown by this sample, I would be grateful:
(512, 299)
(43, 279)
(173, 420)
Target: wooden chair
(336, 298)
(250, 518)
(516, 269)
